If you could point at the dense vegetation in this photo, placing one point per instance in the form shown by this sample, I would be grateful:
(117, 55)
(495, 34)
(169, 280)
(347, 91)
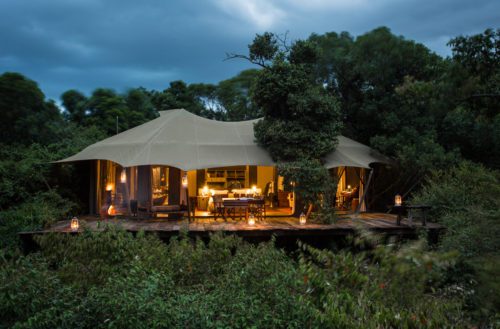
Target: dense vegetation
(437, 117)
(113, 280)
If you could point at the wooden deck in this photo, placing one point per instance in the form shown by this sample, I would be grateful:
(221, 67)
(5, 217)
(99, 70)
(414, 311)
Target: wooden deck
(271, 226)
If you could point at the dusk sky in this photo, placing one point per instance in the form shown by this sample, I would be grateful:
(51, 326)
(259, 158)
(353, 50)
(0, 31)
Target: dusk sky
(119, 44)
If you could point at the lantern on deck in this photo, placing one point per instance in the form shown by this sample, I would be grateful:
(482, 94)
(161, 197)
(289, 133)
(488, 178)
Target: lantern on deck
(123, 176)
(398, 200)
(302, 219)
(74, 224)
(185, 180)
(111, 210)
(251, 219)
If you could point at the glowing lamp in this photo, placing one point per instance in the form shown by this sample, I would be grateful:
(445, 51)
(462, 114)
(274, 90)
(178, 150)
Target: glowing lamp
(74, 224)
(398, 200)
(247, 192)
(204, 191)
(348, 187)
(123, 176)
(109, 187)
(212, 192)
(111, 210)
(185, 180)
(302, 219)
(251, 219)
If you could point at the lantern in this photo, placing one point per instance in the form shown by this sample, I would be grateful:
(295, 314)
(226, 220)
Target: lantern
(204, 191)
(254, 189)
(185, 180)
(109, 187)
(398, 200)
(302, 219)
(251, 219)
(123, 176)
(111, 211)
(74, 224)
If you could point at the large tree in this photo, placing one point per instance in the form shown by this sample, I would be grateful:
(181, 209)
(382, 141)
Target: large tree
(301, 120)
(108, 110)
(26, 116)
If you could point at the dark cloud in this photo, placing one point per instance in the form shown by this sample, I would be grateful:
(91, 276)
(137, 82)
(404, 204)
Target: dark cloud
(85, 44)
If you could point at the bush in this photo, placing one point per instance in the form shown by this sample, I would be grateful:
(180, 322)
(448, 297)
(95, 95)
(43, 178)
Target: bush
(40, 211)
(466, 200)
(111, 279)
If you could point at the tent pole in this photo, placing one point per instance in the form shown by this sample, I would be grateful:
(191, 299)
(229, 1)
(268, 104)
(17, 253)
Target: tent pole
(358, 208)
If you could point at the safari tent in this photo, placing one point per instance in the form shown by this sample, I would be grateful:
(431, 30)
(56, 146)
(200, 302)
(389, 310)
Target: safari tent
(180, 157)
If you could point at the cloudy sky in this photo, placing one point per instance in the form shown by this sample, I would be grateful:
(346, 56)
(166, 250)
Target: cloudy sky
(85, 44)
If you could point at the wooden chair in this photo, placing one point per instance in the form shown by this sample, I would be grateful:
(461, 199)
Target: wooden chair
(218, 207)
(258, 208)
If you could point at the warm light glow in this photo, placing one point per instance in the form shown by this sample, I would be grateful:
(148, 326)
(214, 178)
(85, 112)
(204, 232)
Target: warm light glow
(398, 200)
(212, 192)
(254, 188)
(123, 176)
(109, 187)
(111, 210)
(248, 192)
(349, 187)
(185, 180)
(74, 224)
(204, 191)
(251, 219)
(302, 219)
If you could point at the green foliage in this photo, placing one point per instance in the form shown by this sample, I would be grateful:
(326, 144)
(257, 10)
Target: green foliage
(110, 279)
(104, 106)
(478, 53)
(233, 97)
(466, 200)
(301, 121)
(263, 48)
(26, 116)
(179, 96)
(310, 179)
(42, 210)
(403, 288)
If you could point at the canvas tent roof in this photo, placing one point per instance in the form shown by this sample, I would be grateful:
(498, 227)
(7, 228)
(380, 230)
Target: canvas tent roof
(184, 140)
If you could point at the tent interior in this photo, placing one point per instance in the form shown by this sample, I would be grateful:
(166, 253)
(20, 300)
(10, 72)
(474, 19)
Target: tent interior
(120, 191)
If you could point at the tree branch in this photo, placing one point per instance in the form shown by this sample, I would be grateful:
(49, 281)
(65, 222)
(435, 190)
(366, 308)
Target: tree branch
(229, 56)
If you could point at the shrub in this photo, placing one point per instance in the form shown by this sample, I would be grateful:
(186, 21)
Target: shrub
(111, 279)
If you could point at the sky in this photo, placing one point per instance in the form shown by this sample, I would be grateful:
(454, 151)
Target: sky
(121, 44)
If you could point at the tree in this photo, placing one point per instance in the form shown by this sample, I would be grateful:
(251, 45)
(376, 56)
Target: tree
(26, 116)
(74, 103)
(178, 96)
(301, 120)
(233, 96)
(472, 121)
(109, 110)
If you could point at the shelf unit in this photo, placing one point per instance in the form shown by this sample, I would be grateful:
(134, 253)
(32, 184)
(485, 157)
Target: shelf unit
(225, 178)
